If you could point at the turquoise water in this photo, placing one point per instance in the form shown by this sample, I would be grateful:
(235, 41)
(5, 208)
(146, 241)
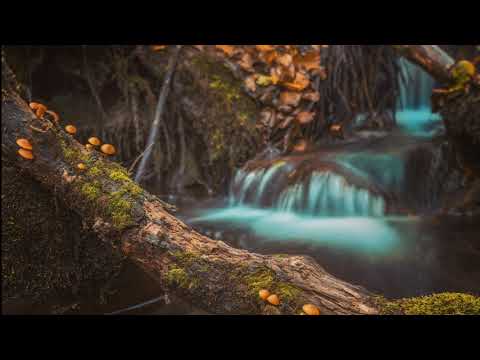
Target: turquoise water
(415, 112)
(358, 234)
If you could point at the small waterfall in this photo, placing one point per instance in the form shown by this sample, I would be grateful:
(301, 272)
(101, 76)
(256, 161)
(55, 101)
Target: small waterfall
(414, 103)
(321, 194)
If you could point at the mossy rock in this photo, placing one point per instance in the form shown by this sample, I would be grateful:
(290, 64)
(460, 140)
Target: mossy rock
(438, 304)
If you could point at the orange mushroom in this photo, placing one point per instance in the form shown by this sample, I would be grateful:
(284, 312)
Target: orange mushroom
(274, 300)
(94, 141)
(311, 310)
(108, 149)
(38, 108)
(72, 130)
(26, 154)
(55, 116)
(24, 144)
(264, 294)
(81, 166)
(89, 147)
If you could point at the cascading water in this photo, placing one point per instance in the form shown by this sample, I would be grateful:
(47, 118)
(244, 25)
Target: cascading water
(414, 104)
(322, 194)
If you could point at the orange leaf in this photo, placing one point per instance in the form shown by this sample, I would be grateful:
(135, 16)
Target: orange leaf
(285, 60)
(264, 48)
(250, 83)
(227, 49)
(305, 117)
(290, 98)
(301, 82)
(312, 96)
(158, 47)
(308, 61)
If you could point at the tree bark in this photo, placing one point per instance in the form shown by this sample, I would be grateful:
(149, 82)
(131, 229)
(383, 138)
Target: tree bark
(209, 274)
(431, 58)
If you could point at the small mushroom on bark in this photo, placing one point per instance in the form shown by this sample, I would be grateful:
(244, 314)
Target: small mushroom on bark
(274, 300)
(311, 310)
(72, 130)
(24, 144)
(264, 294)
(38, 108)
(94, 141)
(108, 149)
(26, 154)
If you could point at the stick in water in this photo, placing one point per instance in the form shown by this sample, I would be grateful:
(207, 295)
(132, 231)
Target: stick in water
(158, 112)
(137, 306)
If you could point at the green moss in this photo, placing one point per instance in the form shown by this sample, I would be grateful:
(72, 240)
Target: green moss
(94, 171)
(119, 175)
(265, 279)
(438, 304)
(91, 191)
(177, 276)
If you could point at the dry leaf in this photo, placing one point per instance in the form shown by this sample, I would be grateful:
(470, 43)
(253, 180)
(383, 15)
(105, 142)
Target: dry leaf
(305, 117)
(301, 83)
(290, 98)
(227, 49)
(285, 60)
(246, 62)
(264, 48)
(250, 83)
(158, 47)
(264, 80)
(309, 61)
(313, 96)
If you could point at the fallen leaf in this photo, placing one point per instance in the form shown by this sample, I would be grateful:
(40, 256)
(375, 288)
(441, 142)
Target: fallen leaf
(250, 83)
(309, 61)
(313, 96)
(246, 62)
(264, 48)
(290, 98)
(264, 80)
(305, 117)
(285, 60)
(158, 47)
(227, 49)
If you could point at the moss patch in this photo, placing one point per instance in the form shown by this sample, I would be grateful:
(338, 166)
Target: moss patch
(438, 304)
(266, 279)
(177, 276)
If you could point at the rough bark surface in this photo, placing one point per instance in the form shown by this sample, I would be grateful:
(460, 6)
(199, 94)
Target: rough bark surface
(207, 273)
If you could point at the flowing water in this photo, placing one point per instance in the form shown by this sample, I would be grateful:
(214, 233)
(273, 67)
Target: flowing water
(348, 208)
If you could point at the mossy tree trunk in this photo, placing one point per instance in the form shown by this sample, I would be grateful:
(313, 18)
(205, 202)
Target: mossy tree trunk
(207, 273)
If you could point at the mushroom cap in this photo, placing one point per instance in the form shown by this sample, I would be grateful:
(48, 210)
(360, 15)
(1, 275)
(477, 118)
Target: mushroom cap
(311, 310)
(467, 66)
(24, 144)
(81, 166)
(26, 154)
(94, 141)
(38, 108)
(274, 300)
(55, 116)
(71, 129)
(89, 146)
(264, 294)
(108, 149)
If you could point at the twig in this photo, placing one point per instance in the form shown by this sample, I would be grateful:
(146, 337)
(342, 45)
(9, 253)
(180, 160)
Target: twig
(138, 158)
(153, 301)
(159, 111)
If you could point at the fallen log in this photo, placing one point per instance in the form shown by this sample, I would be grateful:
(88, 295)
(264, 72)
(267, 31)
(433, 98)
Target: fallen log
(430, 58)
(210, 274)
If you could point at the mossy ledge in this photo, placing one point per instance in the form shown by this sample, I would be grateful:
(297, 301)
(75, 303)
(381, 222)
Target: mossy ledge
(437, 304)
(114, 199)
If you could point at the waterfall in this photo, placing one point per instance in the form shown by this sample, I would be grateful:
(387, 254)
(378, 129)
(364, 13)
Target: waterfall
(321, 194)
(414, 103)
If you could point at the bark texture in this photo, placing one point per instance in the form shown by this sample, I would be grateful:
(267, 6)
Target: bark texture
(207, 273)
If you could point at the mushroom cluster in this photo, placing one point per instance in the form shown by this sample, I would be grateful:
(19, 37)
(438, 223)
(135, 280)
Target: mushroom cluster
(270, 298)
(25, 150)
